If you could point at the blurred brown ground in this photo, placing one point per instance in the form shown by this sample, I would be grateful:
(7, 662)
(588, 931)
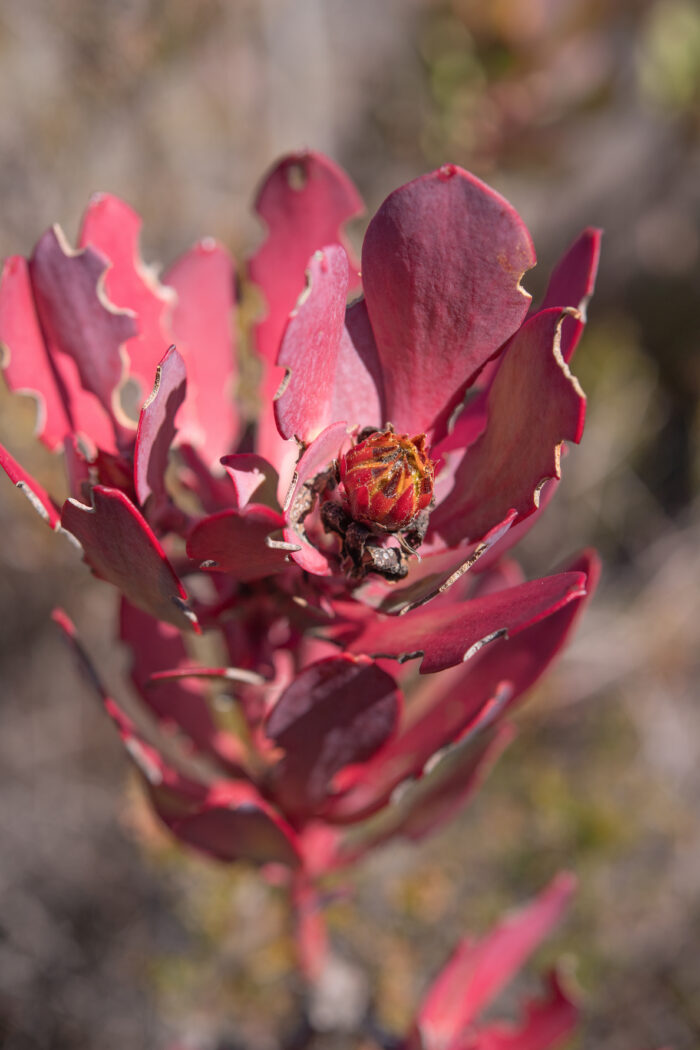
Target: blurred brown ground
(582, 113)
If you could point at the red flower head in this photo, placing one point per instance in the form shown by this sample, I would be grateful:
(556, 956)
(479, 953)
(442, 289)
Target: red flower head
(388, 479)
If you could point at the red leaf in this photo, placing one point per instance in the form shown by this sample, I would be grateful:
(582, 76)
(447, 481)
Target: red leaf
(437, 572)
(477, 971)
(304, 202)
(202, 324)
(548, 1022)
(336, 712)
(572, 283)
(358, 391)
(113, 228)
(235, 542)
(448, 712)
(177, 702)
(251, 474)
(524, 658)
(449, 785)
(213, 493)
(534, 405)
(76, 318)
(235, 823)
(26, 364)
(470, 422)
(156, 429)
(310, 347)
(516, 533)
(449, 633)
(436, 797)
(120, 547)
(441, 264)
(35, 493)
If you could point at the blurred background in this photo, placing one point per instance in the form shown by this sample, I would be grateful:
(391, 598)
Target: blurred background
(580, 112)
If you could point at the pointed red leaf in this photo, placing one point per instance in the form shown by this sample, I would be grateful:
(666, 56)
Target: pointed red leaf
(203, 328)
(228, 820)
(33, 366)
(522, 659)
(451, 782)
(412, 751)
(441, 264)
(437, 572)
(477, 971)
(336, 712)
(447, 634)
(194, 671)
(534, 405)
(156, 429)
(437, 796)
(235, 542)
(120, 547)
(572, 283)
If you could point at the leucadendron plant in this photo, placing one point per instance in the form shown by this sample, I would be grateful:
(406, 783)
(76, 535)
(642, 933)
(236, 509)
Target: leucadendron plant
(346, 546)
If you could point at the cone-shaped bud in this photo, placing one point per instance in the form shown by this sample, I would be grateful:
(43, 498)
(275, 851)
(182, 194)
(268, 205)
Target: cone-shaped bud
(388, 479)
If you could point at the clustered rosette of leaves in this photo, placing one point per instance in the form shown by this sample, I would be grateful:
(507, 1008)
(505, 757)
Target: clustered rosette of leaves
(247, 530)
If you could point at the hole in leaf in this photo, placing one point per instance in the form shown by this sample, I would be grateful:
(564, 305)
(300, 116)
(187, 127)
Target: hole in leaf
(131, 399)
(296, 176)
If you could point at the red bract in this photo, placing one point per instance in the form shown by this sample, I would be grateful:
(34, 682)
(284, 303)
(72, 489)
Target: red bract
(289, 536)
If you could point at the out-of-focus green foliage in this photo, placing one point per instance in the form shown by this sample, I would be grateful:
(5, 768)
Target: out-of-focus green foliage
(669, 55)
